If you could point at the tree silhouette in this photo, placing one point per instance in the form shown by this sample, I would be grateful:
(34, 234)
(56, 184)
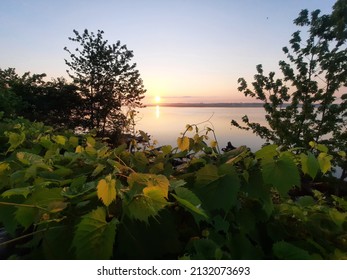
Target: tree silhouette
(305, 104)
(106, 81)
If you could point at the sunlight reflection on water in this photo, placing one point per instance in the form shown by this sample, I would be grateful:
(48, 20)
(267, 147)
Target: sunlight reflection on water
(165, 124)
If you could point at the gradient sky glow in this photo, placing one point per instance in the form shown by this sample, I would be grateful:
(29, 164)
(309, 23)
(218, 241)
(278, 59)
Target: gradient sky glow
(185, 50)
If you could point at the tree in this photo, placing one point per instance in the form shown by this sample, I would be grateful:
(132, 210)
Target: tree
(55, 103)
(308, 103)
(106, 81)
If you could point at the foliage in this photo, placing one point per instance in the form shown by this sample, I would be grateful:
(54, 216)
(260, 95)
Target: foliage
(106, 81)
(308, 102)
(69, 197)
(55, 103)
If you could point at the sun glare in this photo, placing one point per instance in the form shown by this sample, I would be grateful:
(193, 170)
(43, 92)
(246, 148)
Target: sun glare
(157, 99)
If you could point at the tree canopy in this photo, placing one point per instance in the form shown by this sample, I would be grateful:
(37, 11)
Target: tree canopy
(106, 81)
(308, 103)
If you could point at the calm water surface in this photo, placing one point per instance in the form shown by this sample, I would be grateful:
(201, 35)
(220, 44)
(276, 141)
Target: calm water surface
(165, 124)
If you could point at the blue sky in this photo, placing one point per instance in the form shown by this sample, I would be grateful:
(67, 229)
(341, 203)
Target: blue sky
(185, 50)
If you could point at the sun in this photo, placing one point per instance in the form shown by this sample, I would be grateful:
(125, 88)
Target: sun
(157, 99)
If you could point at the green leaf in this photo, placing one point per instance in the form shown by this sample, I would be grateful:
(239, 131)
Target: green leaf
(73, 140)
(17, 191)
(206, 175)
(28, 158)
(94, 236)
(100, 167)
(286, 251)
(267, 152)
(309, 164)
(189, 200)
(218, 193)
(282, 174)
(305, 201)
(106, 190)
(183, 143)
(337, 217)
(31, 210)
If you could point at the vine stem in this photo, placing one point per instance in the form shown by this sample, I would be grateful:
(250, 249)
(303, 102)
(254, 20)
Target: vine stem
(23, 205)
(27, 235)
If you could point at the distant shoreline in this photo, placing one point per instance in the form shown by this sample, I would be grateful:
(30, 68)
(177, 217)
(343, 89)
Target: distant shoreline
(225, 105)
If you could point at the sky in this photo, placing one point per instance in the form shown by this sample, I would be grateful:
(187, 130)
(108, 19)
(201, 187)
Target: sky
(185, 50)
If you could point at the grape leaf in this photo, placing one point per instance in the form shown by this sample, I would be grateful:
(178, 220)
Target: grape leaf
(94, 236)
(100, 167)
(309, 164)
(206, 175)
(220, 193)
(268, 151)
(183, 143)
(286, 251)
(30, 212)
(15, 139)
(324, 161)
(59, 139)
(282, 174)
(4, 166)
(25, 191)
(106, 190)
(189, 200)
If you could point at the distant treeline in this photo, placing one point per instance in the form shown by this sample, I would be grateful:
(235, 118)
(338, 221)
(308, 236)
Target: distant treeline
(207, 104)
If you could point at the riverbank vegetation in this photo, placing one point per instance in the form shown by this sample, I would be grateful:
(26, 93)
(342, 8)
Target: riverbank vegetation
(71, 188)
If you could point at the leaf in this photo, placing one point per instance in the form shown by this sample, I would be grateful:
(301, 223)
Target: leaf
(147, 196)
(100, 167)
(268, 151)
(73, 140)
(106, 190)
(218, 192)
(94, 236)
(30, 212)
(15, 139)
(207, 175)
(189, 127)
(337, 217)
(90, 141)
(282, 174)
(309, 164)
(59, 139)
(324, 161)
(3, 167)
(17, 191)
(213, 144)
(183, 143)
(189, 200)
(29, 158)
(286, 251)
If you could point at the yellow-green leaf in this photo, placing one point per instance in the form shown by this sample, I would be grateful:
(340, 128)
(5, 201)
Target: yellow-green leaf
(98, 169)
(90, 141)
(106, 190)
(324, 161)
(4, 166)
(213, 143)
(60, 139)
(183, 143)
(79, 149)
(189, 127)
